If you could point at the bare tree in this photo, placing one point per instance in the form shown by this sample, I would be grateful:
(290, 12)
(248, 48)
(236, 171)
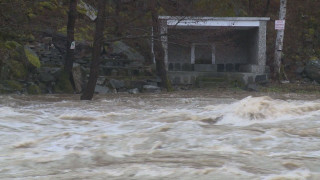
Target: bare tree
(158, 49)
(98, 40)
(72, 16)
(279, 40)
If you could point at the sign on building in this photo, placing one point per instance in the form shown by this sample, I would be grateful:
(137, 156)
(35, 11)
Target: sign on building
(280, 24)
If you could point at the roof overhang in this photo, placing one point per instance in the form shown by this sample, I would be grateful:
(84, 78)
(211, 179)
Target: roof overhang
(186, 22)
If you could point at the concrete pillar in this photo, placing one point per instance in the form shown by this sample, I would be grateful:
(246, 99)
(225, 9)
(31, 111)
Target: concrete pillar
(193, 55)
(213, 51)
(262, 45)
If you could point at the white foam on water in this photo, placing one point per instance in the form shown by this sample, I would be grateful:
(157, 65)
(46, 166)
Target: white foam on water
(299, 174)
(8, 111)
(253, 110)
(168, 138)
(233, 169)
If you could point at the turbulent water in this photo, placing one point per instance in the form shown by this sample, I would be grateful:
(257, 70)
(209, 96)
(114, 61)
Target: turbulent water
(159, 137)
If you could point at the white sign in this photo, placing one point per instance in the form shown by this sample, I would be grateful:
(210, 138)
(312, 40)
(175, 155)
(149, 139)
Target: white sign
(73, 45)
(279, 24)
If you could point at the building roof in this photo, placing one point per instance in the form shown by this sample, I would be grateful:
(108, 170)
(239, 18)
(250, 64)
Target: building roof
(214, 18)
(213, 22)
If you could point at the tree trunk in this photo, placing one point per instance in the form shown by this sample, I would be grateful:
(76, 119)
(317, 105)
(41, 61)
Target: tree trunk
(72, 16)
(279, 41)
(267, 8)
(158, 48)
(98, 40)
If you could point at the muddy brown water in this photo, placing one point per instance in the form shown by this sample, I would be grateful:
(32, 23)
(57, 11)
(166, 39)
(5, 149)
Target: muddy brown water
(196, 135)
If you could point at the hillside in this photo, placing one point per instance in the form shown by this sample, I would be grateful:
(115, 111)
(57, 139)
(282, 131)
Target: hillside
(25, 23)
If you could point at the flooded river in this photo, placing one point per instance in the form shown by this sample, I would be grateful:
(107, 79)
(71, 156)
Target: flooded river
(159, 137)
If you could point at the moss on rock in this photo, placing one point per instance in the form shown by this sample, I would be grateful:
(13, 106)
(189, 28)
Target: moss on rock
(14, 85)
(17, 70)
(32, 57)
(63, 84)
(11, 45)
(34, 89)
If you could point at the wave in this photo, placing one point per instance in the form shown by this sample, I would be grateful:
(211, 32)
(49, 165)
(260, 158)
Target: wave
(263, 109)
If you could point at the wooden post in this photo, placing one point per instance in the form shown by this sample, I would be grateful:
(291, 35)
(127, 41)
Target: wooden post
(279, 40)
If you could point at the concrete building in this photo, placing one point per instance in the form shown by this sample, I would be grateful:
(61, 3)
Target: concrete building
(228, 47)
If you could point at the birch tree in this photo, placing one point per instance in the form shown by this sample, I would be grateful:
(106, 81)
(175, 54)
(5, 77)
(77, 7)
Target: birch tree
(279, 40)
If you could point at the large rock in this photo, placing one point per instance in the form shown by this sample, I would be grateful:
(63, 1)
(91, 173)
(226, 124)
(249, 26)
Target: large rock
(102, 89)
(116, 84)
(119, 47)
(151, 89)
(83, 50)
(313, 70)
(134, 91)
(48, 74)
(252, 87)
(101, 80)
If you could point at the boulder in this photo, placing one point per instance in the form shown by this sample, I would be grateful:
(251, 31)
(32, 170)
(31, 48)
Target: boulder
(102, 90)
(151, 89)
(134, 91)
(83, 50)
(116, 84)
(312, 70)
(137, 84)
(252, 87)
(48, 74)
(299, 70)
(101, 80)
(119, 47)
(46, 77)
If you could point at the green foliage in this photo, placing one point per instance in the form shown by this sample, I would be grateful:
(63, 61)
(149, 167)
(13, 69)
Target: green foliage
(63, 84)
(84, 33)
(47, 5)
(32, 58)
(63, 30)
